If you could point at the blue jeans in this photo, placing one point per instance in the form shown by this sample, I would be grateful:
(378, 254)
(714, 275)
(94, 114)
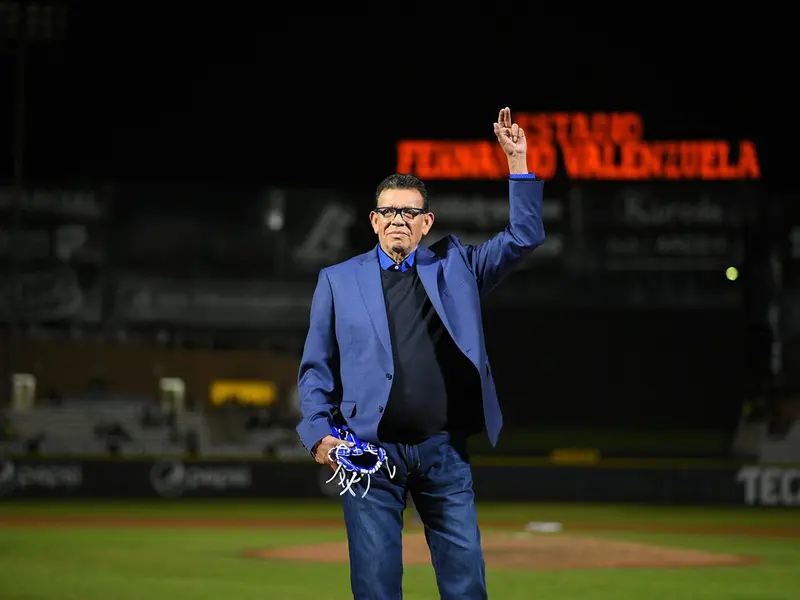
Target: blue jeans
(437, 475)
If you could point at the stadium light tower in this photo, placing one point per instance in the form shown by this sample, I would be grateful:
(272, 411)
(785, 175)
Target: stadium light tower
(22, 24)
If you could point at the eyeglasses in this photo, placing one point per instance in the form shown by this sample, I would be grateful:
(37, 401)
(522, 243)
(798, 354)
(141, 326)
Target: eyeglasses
(409, 213)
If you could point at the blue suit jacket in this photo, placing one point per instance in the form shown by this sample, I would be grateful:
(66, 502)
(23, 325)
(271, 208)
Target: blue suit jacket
(347, 360)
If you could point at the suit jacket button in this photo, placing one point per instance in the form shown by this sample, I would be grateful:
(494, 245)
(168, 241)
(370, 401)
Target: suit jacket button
(389, 376)
(380, 409)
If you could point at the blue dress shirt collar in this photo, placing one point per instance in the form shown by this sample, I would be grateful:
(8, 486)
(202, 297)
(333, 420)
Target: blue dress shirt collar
(388, 263)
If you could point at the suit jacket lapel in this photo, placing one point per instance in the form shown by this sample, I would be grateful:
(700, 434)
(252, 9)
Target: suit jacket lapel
(369, 282)
(428, 271)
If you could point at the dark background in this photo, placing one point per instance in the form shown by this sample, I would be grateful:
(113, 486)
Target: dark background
(183, 118)
(139, 91)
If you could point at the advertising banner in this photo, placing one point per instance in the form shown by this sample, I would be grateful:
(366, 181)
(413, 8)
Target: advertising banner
(748, 485)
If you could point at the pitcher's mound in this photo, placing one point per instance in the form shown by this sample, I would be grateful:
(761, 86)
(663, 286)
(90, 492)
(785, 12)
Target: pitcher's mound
(531, 551)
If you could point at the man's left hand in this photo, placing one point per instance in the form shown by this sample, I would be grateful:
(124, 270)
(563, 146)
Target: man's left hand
(512, 140)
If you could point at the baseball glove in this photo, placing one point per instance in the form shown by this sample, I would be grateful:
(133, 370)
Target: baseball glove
(362, 459)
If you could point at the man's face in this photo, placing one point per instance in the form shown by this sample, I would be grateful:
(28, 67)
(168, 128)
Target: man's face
(400, 234)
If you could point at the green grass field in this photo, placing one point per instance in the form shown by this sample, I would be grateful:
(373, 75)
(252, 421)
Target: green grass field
(49, 552)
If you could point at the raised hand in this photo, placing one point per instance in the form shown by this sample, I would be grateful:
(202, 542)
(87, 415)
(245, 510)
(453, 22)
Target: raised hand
(512, 140)
(510, 135)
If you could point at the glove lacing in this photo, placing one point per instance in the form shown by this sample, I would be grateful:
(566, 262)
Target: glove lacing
(346, 484)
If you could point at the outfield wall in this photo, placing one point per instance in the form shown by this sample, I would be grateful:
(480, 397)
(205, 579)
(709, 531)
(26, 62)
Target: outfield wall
(628, 481)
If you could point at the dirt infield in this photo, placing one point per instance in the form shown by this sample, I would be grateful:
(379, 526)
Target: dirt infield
(232, 523)
(531, 551)
(505, 547)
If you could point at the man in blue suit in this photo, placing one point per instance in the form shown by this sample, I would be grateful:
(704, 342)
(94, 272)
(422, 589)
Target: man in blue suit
(395, 349)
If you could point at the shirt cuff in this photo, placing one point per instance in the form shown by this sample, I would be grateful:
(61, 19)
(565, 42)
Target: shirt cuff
(522, 176)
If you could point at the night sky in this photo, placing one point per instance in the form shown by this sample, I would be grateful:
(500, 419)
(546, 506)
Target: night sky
(245, 96)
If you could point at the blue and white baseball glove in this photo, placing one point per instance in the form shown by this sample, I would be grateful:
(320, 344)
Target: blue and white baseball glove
(362, 459)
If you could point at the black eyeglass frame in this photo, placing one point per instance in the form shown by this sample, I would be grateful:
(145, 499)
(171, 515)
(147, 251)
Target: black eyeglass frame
(386, 211)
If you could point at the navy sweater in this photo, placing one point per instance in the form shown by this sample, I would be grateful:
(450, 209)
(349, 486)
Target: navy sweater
(435, 387)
